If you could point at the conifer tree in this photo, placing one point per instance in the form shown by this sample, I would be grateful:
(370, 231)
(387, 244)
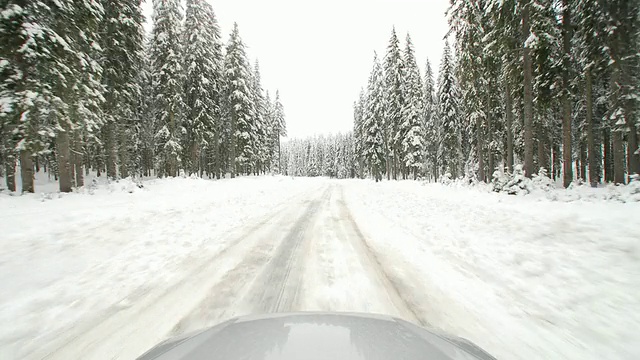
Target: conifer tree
(201, 83)
(240, 105)
(394, 103)
(167, 84)
(373, 122)
(411, 131)
(449, 115)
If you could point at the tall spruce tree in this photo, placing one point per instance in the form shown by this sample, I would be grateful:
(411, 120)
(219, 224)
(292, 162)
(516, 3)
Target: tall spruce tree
(373, 150)
(167, 83)
(123, 39)
(279, 125)
(449, 115)
(261, 124)
(240, 105)
(411, 131)
(430, 121)
(358, 131)
(394, 103)
(201, 83)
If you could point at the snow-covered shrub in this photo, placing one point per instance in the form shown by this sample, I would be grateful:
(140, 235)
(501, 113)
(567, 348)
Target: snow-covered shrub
(445, 179)
(499, 180)
(542, 181)
(633, 189)
(518, 184)
(512, 184)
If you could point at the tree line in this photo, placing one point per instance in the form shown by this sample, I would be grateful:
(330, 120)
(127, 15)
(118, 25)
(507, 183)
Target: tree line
(323, 155)
(549, 84)
(82, 88)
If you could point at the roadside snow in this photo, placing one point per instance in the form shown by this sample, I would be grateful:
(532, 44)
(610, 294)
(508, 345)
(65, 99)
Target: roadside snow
(66, 257)
(523, 277)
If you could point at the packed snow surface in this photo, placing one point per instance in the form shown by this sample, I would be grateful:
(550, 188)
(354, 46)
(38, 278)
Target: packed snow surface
(108, 272)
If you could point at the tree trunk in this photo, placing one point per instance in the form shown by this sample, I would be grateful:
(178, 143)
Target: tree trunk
(566, 104)
(489, 150)
(608, 163)
(232, 147)
(583, 160)
(591, 148)
(125, 163)
(194, 154)
(509, 131)
(111, 149)
(556, 161)
(10, 172)
(480, 140)
(618, 157)
(64, 160)
(26, 170)
(528, 96)
(72, 161)
(542, 148)
(632, 144)
(78, 156)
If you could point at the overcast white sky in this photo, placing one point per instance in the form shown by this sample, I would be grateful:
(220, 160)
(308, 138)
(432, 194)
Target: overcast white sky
(319, 53)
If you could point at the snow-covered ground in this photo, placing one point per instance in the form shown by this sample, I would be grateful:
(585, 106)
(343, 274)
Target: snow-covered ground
(71, 259)
(524, 277)
(109, 272)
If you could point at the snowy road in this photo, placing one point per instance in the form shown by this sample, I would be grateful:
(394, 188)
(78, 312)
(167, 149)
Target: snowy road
(309, 255)
(108, 274)
(305, 254)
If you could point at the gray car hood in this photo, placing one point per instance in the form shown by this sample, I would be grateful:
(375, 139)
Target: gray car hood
(315, 336)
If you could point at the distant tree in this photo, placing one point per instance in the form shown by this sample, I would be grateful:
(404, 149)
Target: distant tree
(358, 131)
(279, 125)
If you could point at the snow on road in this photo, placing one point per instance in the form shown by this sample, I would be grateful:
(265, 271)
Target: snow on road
(71, 262)
(108, 275)
(523, 277)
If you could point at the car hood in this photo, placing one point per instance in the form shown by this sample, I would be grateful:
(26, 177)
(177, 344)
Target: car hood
(314, 336)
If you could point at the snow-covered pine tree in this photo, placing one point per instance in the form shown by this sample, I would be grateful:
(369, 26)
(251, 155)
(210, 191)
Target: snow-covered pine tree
(21, 84)
(449, 114)
(50, 89)
(358, 131)
(622, 40)
(431, 124)
(73, 77)
(279, 123)
(394, 102)
(373, 121)
(590, 30)
(122, 44)
(411, 130)
(167, 80)
(201, 83)
(270, 143)
(261, 143)
(146, 120)
(240, 103)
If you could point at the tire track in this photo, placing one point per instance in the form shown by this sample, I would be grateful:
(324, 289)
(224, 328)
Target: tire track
(394, 289)
(277, 288)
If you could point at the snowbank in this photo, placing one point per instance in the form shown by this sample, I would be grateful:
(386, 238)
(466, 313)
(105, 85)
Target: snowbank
(523, 276)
